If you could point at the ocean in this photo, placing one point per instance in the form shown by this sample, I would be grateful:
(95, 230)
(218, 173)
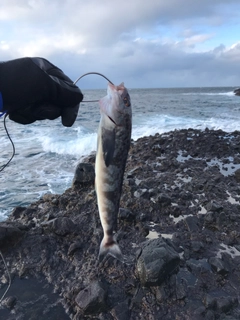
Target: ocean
(47, 153)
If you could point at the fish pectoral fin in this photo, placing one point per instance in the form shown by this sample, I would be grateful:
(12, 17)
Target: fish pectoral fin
(108, 145)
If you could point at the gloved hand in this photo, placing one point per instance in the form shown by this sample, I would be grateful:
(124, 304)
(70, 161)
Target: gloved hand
(34, 89)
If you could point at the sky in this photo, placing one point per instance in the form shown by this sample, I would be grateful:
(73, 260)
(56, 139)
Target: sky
(143, 43)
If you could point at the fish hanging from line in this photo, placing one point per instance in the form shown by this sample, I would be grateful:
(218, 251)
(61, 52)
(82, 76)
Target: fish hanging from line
(114, 138)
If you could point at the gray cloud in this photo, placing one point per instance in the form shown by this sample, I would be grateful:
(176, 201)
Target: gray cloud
(153, 45)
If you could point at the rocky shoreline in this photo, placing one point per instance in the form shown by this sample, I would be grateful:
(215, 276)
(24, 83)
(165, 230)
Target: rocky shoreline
(179, 226)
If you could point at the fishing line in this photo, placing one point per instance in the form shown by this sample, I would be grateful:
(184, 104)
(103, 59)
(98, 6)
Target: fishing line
(86, 74)
(13, 152)
(9, 278)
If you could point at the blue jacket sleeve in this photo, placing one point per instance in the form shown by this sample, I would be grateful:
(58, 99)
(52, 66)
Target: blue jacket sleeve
(1, 102)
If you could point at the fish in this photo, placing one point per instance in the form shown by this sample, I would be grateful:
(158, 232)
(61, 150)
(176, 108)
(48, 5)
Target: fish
(113, 143)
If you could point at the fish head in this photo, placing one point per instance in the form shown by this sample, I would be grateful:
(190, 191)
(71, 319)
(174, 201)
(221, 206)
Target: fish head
(116, 104)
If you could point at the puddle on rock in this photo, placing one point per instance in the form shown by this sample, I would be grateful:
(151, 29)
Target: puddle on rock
(226, 169)
(180, 218)
(231, 199)
(155, 235)
(202, 211)
(233, 252)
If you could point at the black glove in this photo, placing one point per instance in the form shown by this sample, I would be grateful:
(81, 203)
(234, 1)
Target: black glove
(34, 89)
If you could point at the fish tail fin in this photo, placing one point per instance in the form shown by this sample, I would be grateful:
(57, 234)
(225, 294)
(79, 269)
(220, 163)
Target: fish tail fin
(112, 249)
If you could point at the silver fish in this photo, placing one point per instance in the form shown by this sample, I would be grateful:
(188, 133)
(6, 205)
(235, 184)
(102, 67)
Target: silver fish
(114, 138)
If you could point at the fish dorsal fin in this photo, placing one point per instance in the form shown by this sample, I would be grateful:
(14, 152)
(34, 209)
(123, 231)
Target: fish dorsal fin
(108, 145)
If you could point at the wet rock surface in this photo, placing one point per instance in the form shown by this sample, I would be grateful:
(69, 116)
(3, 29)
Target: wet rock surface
(179, 225)
(237, 92)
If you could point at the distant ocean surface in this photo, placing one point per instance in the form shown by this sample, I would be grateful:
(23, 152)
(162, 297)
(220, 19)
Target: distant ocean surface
(47, 153)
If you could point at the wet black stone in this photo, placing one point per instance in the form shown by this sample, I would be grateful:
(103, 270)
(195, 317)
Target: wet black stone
(9, 233)
(184, 280)
(237, 175)
(9, 302)
(74, 247)
(92, 299)
(17, 212)
(197, 246)
(220, 301)
(63, 226)
(163, 199)
(197, 266)
(125, 214)
(121, 311)
(84, 175)
(192, 223)
(218, 265)
(156, 262)
(214, 206)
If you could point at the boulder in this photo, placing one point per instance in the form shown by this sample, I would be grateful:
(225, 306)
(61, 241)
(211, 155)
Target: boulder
(92, 299)
(156, 262)
(84, 175)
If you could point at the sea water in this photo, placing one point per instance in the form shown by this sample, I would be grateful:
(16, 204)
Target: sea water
(47, 153)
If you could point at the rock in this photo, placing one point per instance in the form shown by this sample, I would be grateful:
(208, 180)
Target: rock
(9, 302)
(92, 299)
(16, 213)
(237, 92)
(220, 300)
(237, 175)
(156, 262)
(84, 175)
(197, 246)
(184, 280)
(62, 226)
(142, 193)
(74, 247)
(163, 199)
(125, 214)
(214, 206)
(192, 223)
(9, 233)
(121, 311)
(198, 266)
(219, 266)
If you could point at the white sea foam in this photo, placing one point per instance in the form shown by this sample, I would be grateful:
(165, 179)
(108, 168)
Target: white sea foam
(3, 214)
(78, 146)
(229, 93)
(165, 123)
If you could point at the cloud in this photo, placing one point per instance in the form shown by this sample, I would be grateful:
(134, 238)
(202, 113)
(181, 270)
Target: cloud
(163, 43)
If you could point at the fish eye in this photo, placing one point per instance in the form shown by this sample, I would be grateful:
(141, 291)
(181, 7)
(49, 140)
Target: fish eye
(126, 101)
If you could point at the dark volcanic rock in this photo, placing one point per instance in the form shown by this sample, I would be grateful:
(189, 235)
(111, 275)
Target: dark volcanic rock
(9, 233)
(92, 299)
(62, 226)
(179, 220)
(219, 265)
(156, 262)
(84, 174)
(237, 175)
(237, 92)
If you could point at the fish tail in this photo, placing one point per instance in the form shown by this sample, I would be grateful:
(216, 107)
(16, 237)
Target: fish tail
(112, 249)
